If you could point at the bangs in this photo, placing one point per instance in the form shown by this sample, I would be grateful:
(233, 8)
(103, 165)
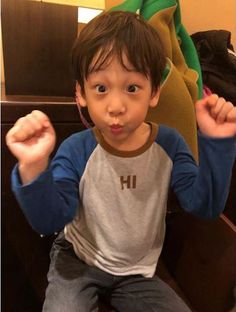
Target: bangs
(101, 59)
(118, 49)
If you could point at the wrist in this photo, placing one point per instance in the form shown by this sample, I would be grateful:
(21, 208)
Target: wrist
(30, 171)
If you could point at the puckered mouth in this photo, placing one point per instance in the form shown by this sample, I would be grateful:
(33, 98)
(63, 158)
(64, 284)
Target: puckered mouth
(116, 126)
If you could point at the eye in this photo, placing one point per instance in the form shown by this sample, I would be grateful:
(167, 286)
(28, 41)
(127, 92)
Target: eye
(132, 88)
(100, 88)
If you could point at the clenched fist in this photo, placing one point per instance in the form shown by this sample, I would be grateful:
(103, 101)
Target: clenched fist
(31, 140)
(216, 117)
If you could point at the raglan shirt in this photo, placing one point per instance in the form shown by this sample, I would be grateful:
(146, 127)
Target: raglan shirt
(112, 204)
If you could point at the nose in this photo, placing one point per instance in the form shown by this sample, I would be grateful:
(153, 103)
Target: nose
(116, 106)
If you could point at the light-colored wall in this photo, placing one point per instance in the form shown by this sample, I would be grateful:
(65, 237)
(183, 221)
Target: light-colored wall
(200, 15)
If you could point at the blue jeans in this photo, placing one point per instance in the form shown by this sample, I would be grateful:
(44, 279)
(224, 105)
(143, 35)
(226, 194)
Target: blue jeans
(75, 287)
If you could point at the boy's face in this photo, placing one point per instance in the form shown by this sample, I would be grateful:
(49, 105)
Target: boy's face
(118, 101)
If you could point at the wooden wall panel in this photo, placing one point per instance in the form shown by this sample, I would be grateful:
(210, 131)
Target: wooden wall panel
(37, 40)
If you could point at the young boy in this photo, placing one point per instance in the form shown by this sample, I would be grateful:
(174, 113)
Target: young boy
(107, 186)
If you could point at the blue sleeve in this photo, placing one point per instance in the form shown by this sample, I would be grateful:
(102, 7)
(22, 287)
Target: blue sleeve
(51, 201)
(202, 189)
(47, 205)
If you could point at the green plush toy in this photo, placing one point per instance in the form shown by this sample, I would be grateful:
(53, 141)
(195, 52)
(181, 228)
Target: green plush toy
(188, 49)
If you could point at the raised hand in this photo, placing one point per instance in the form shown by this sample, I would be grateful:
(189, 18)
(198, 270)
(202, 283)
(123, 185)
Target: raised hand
(216, 117)
(31, 140)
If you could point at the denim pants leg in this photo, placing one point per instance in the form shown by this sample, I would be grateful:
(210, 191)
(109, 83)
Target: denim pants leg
(140, 294)
(75, 286)
(72, 287)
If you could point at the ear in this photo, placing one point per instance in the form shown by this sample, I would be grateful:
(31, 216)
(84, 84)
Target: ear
(80, 97)
(154, 98)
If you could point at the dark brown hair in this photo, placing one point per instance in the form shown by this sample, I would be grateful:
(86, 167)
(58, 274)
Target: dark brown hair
(113, 34)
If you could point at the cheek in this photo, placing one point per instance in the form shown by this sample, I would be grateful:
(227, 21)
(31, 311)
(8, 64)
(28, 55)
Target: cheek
(139, 109)
(95, 113)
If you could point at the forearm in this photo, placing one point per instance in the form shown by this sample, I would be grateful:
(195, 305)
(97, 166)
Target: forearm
(48, 206)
